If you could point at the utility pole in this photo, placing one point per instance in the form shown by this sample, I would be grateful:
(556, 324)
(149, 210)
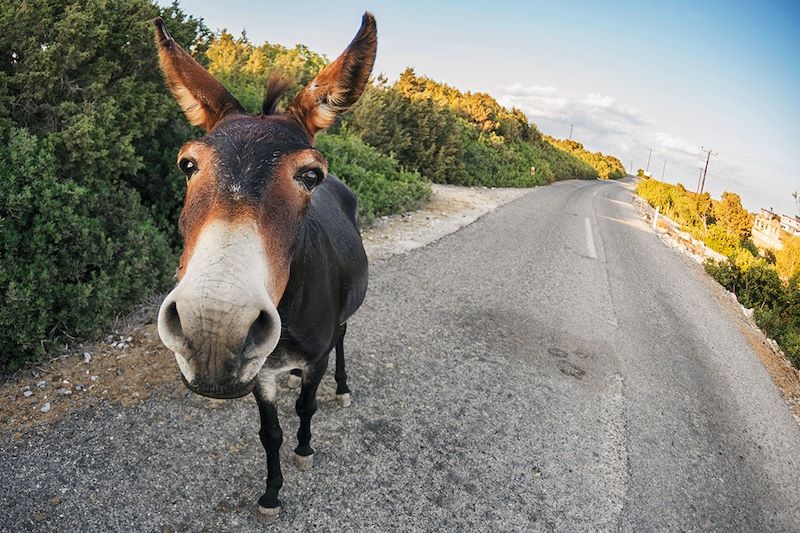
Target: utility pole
(664, 170)
(632, 173)
(570, 131)
(705, 171)
(648, 160)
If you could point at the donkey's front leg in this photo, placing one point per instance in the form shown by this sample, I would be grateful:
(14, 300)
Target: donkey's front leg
(306, 406)
(342, 390)
(271, 438)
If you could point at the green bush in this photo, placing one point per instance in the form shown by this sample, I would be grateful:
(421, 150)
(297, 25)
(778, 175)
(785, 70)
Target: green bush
(502, 164)
(89, 193)
(83, 76)
(760, 286)
(381, 185)
(720, 240)
(725, 272)
(776, 304)
(606, 166)
(73, 256)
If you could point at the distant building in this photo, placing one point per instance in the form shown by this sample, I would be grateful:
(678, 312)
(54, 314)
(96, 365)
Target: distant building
(790, 224)
(767, 230)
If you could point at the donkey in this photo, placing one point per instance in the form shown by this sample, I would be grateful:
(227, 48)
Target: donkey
(273, 264)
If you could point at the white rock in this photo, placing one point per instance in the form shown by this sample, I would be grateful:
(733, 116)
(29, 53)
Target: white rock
(45, 407)
(87, 357)
(27, 393)
(41, 384)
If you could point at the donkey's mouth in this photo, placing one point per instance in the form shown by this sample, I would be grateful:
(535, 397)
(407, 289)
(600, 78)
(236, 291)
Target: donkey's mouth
(227, 392)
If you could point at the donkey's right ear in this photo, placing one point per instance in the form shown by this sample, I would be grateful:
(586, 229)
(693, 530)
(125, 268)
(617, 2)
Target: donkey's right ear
(203, 99)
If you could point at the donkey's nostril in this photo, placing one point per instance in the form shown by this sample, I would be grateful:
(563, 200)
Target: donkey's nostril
(172, 320)
(259, 330)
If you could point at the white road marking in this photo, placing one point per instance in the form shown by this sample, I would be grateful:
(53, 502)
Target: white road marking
(590, 249)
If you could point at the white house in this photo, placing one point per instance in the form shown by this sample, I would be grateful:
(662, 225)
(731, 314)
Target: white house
(790, 224)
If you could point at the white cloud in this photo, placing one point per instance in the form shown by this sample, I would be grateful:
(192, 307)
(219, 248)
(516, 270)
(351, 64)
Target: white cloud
(598, 104)
(595, 113)
(670, 143)
(532, 90)
(602, 123)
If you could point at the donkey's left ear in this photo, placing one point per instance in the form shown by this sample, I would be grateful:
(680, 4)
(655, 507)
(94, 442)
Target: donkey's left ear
(339, 85)
(203, 99)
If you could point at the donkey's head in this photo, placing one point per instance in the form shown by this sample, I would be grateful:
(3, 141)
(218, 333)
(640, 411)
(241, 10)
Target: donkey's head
(250, 180)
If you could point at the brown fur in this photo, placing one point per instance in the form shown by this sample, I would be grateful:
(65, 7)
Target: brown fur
(277, 215)
(339, 85)
(276, 87)
(283, 202)
(200, 199)
(202, 98)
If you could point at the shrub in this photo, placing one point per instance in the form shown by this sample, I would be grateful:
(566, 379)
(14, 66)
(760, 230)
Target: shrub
(84, 77)
(381, 185)
(89, 193)
(606, 166)
(718, 239)
(73, 255)
(787, 260)
(760, 286)
(776, 304)
(725, 272)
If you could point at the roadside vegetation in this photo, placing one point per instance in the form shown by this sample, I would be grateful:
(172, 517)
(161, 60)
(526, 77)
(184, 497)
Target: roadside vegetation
(89, 191)
(608, 167)
(767, 283)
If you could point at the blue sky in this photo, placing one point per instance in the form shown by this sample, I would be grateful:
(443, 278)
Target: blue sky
(671, 76)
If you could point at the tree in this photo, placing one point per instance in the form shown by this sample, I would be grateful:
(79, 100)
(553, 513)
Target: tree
(787, 260)
(244, 68)
(730, 214)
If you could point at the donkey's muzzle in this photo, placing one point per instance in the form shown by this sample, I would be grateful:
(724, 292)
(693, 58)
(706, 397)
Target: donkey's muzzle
(224, 392)
(220, 321)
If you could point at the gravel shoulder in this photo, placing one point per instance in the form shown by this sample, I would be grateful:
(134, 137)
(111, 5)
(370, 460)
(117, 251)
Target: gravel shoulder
(129, 363)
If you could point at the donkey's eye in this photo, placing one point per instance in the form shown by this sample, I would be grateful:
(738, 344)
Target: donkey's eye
(310, 178)
(188, 167)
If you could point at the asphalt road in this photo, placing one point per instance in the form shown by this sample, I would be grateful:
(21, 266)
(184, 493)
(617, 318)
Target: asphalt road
(552, 366)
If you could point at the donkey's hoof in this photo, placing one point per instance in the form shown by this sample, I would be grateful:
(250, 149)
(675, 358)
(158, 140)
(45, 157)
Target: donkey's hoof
(294, 381)
(343, 399)
(267, 515)
(303, 462)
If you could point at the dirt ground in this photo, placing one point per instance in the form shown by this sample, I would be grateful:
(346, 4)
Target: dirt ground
(127, 364)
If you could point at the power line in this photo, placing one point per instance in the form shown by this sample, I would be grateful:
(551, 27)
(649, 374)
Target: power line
(705, 172)
(782, 167)
(632, 166)
(648, 160)
(570, 131)
(664, 170)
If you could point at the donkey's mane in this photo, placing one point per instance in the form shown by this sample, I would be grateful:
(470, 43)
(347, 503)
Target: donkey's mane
(277, 85)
